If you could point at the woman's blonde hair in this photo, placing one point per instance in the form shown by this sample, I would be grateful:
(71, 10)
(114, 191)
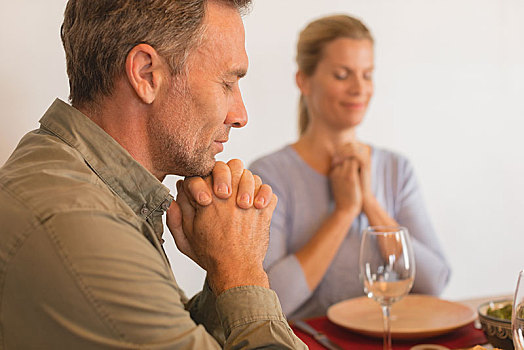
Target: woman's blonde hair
(311, 43)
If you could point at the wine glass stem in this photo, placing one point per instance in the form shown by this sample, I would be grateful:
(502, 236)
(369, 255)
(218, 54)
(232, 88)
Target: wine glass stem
(387, 329)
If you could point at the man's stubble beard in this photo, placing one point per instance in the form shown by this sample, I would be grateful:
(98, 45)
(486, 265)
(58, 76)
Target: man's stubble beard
(174, 144)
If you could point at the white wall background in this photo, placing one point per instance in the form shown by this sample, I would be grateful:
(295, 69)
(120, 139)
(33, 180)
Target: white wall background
(449, 86)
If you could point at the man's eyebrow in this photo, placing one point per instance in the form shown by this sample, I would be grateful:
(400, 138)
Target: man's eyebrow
(238, 73)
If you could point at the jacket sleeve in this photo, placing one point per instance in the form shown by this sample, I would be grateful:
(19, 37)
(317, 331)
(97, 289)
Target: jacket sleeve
(93, 281)
(244, 318)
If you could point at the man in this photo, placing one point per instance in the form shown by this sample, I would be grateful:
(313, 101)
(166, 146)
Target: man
(154, 91)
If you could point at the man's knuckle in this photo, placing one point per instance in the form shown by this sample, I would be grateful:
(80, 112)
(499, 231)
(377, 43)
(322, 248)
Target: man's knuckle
(219, 164)
(247, 175)
(236, 163)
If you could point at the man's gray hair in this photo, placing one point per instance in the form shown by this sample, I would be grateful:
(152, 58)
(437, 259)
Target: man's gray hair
(98, 35)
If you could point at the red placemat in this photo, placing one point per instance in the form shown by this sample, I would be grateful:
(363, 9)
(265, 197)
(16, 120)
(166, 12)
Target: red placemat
(463, 337)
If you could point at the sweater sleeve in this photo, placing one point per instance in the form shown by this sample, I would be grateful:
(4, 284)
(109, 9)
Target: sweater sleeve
(282, 266)
(432, 269)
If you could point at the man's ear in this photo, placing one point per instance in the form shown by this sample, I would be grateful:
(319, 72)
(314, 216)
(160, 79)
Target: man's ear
(302, 81)
(145, 71)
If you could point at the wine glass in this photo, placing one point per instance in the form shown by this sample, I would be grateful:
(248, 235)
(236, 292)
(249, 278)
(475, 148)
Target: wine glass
(517, 315)
(387, 268)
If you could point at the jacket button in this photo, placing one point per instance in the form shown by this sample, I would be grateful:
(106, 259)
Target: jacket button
(144, 210)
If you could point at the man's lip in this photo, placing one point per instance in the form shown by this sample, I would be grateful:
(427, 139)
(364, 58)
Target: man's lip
(220, 146)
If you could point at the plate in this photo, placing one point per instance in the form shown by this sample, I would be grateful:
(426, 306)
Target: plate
(415, 316)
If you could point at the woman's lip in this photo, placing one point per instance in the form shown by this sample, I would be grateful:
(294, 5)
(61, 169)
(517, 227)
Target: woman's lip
(354, 105)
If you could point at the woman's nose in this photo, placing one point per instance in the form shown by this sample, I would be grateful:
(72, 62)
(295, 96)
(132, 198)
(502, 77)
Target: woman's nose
(356, 86)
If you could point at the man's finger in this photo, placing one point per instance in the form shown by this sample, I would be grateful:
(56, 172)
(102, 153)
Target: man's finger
(263, 197)
(258, 182)
(198, 190)
(273, 203)
(174, 217)
(246, 190)
(237, 169)
(174, 223)
(222, 180)
(187, 209)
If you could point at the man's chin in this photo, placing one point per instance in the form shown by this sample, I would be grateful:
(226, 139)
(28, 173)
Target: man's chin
(202, 169)
(208, 168)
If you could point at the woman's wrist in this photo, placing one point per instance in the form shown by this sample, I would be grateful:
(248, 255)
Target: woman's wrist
(347, 214)
(369, 203)
(376, 214)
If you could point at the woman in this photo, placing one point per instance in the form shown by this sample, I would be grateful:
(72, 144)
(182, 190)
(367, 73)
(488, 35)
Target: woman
(331, 186)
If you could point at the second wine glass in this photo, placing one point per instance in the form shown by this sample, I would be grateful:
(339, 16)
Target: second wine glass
(387, 268)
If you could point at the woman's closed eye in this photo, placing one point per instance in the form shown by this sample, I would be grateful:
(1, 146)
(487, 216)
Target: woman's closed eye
(341, 75)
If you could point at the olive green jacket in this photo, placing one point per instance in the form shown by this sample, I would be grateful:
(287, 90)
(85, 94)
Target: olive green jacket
(81, 258)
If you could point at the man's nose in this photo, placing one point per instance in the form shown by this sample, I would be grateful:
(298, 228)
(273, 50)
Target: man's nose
(237, 114)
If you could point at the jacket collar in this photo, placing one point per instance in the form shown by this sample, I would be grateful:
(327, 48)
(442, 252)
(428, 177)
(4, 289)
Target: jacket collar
(127, 178)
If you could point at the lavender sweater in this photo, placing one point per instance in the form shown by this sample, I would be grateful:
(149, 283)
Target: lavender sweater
(305, 200)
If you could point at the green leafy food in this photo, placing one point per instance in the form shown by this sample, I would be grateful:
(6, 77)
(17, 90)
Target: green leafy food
(502, 313)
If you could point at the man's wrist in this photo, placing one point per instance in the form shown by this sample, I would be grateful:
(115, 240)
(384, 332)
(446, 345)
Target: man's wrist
(220, 281)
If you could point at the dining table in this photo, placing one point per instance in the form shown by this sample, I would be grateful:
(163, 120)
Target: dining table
(465, 337)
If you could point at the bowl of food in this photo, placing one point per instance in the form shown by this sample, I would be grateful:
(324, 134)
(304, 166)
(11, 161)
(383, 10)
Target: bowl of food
(495, 318)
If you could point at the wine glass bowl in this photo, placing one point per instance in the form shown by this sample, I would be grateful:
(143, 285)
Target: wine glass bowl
(387, 268)
(517, 315)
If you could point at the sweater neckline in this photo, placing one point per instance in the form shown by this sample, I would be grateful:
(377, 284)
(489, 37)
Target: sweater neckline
(289, 149)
